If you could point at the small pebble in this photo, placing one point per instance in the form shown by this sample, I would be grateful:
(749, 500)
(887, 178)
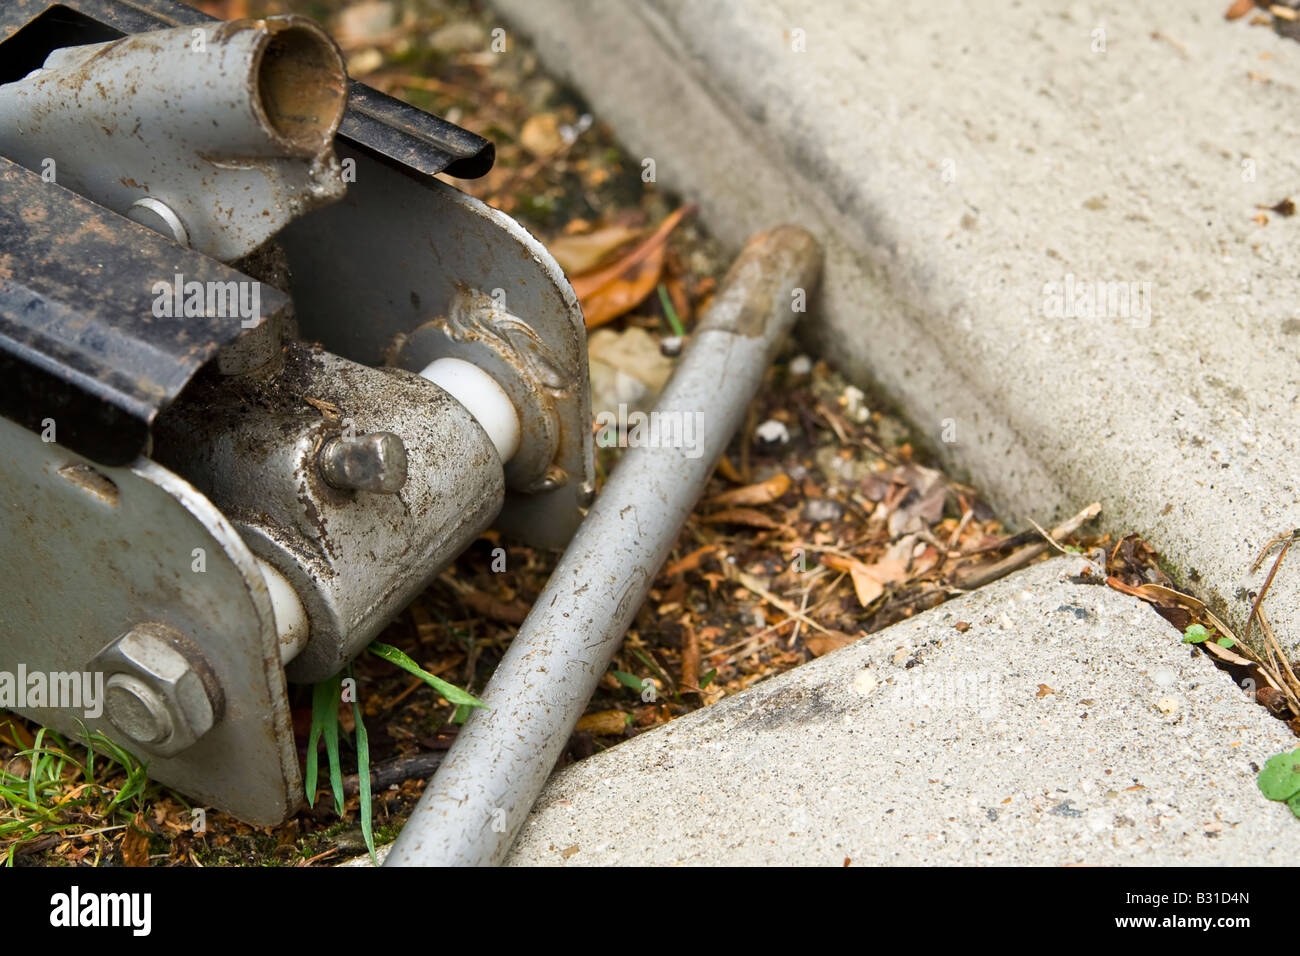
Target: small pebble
(364, 61)
(865, 682)
(772, 432)
(800, 365)
(458, 37)
(365, 21)
(671, 347)
(570, 134)
(822, 509)
(855, 404)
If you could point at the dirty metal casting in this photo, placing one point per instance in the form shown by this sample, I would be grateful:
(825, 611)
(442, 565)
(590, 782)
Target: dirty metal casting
(216, 302)
(499, 301)
(356, 557)
(480, 796)
(213, 136)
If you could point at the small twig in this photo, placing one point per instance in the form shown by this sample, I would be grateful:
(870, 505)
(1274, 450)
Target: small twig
(399, 769)
(1259, 598)
(836, 425)
(1273, 542)
(1050, 540)
(803, 609)
(746, 438)
(319, 856)
(789, 609)
(1293, 685)
(978, 577)
(410, 689)
(926, 535)
(956, 532)
(784, 621)
(1003, 544)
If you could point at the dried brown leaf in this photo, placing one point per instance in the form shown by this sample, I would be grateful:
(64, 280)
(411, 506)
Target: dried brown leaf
(135, 843)
(625, 291)
(745, 516)
(582, 253)
(691, 561)
(609, 292)
(690, 679)
(541, 135)
(865, 586)
(820, 644)
(604, 722)
(762, 493)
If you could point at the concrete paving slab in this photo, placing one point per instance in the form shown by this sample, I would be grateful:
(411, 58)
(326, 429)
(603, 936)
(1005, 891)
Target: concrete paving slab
(1066, 725)
(1040, 232)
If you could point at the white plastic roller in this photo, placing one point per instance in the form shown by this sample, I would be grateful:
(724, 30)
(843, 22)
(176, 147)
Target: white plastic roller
(482, 397)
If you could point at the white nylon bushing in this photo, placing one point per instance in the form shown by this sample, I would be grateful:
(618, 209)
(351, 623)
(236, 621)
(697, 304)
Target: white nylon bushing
(482, 397)
(290, 618)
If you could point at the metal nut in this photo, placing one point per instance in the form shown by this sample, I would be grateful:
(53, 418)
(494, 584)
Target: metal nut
(160, 693)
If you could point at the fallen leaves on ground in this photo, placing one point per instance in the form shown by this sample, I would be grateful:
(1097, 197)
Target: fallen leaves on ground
(613, 290)
(579, 253)
(760, 493)
(135, 843)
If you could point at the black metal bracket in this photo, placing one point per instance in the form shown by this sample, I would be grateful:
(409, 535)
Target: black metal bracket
(87, 341)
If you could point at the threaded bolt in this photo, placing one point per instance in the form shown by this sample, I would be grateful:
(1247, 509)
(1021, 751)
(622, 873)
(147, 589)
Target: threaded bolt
(375, 462)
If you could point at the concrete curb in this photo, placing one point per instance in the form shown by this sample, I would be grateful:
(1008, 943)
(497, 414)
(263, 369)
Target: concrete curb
(1066, 725)
(957, 166)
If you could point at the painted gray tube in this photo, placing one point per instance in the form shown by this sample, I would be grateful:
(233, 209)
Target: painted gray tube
(476, 803)
(216, 135)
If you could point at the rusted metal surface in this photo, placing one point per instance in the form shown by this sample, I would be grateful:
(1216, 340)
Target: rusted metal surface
(252, 444)
(437, 274)
(226, 129)
(90, 553)
(480, 797)
(379, 125)
(81, 344)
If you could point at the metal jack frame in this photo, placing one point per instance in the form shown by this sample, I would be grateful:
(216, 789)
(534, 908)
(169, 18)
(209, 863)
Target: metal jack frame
(176, 516)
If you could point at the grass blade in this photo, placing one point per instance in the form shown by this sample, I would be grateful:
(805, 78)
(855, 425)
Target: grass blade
(453, 693)
(670, 313)
(331, 733)
(363, 776)
(321, 700)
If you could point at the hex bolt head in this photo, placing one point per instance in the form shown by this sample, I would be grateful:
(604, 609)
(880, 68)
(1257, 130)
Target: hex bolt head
(160, 692)
(375, 462)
